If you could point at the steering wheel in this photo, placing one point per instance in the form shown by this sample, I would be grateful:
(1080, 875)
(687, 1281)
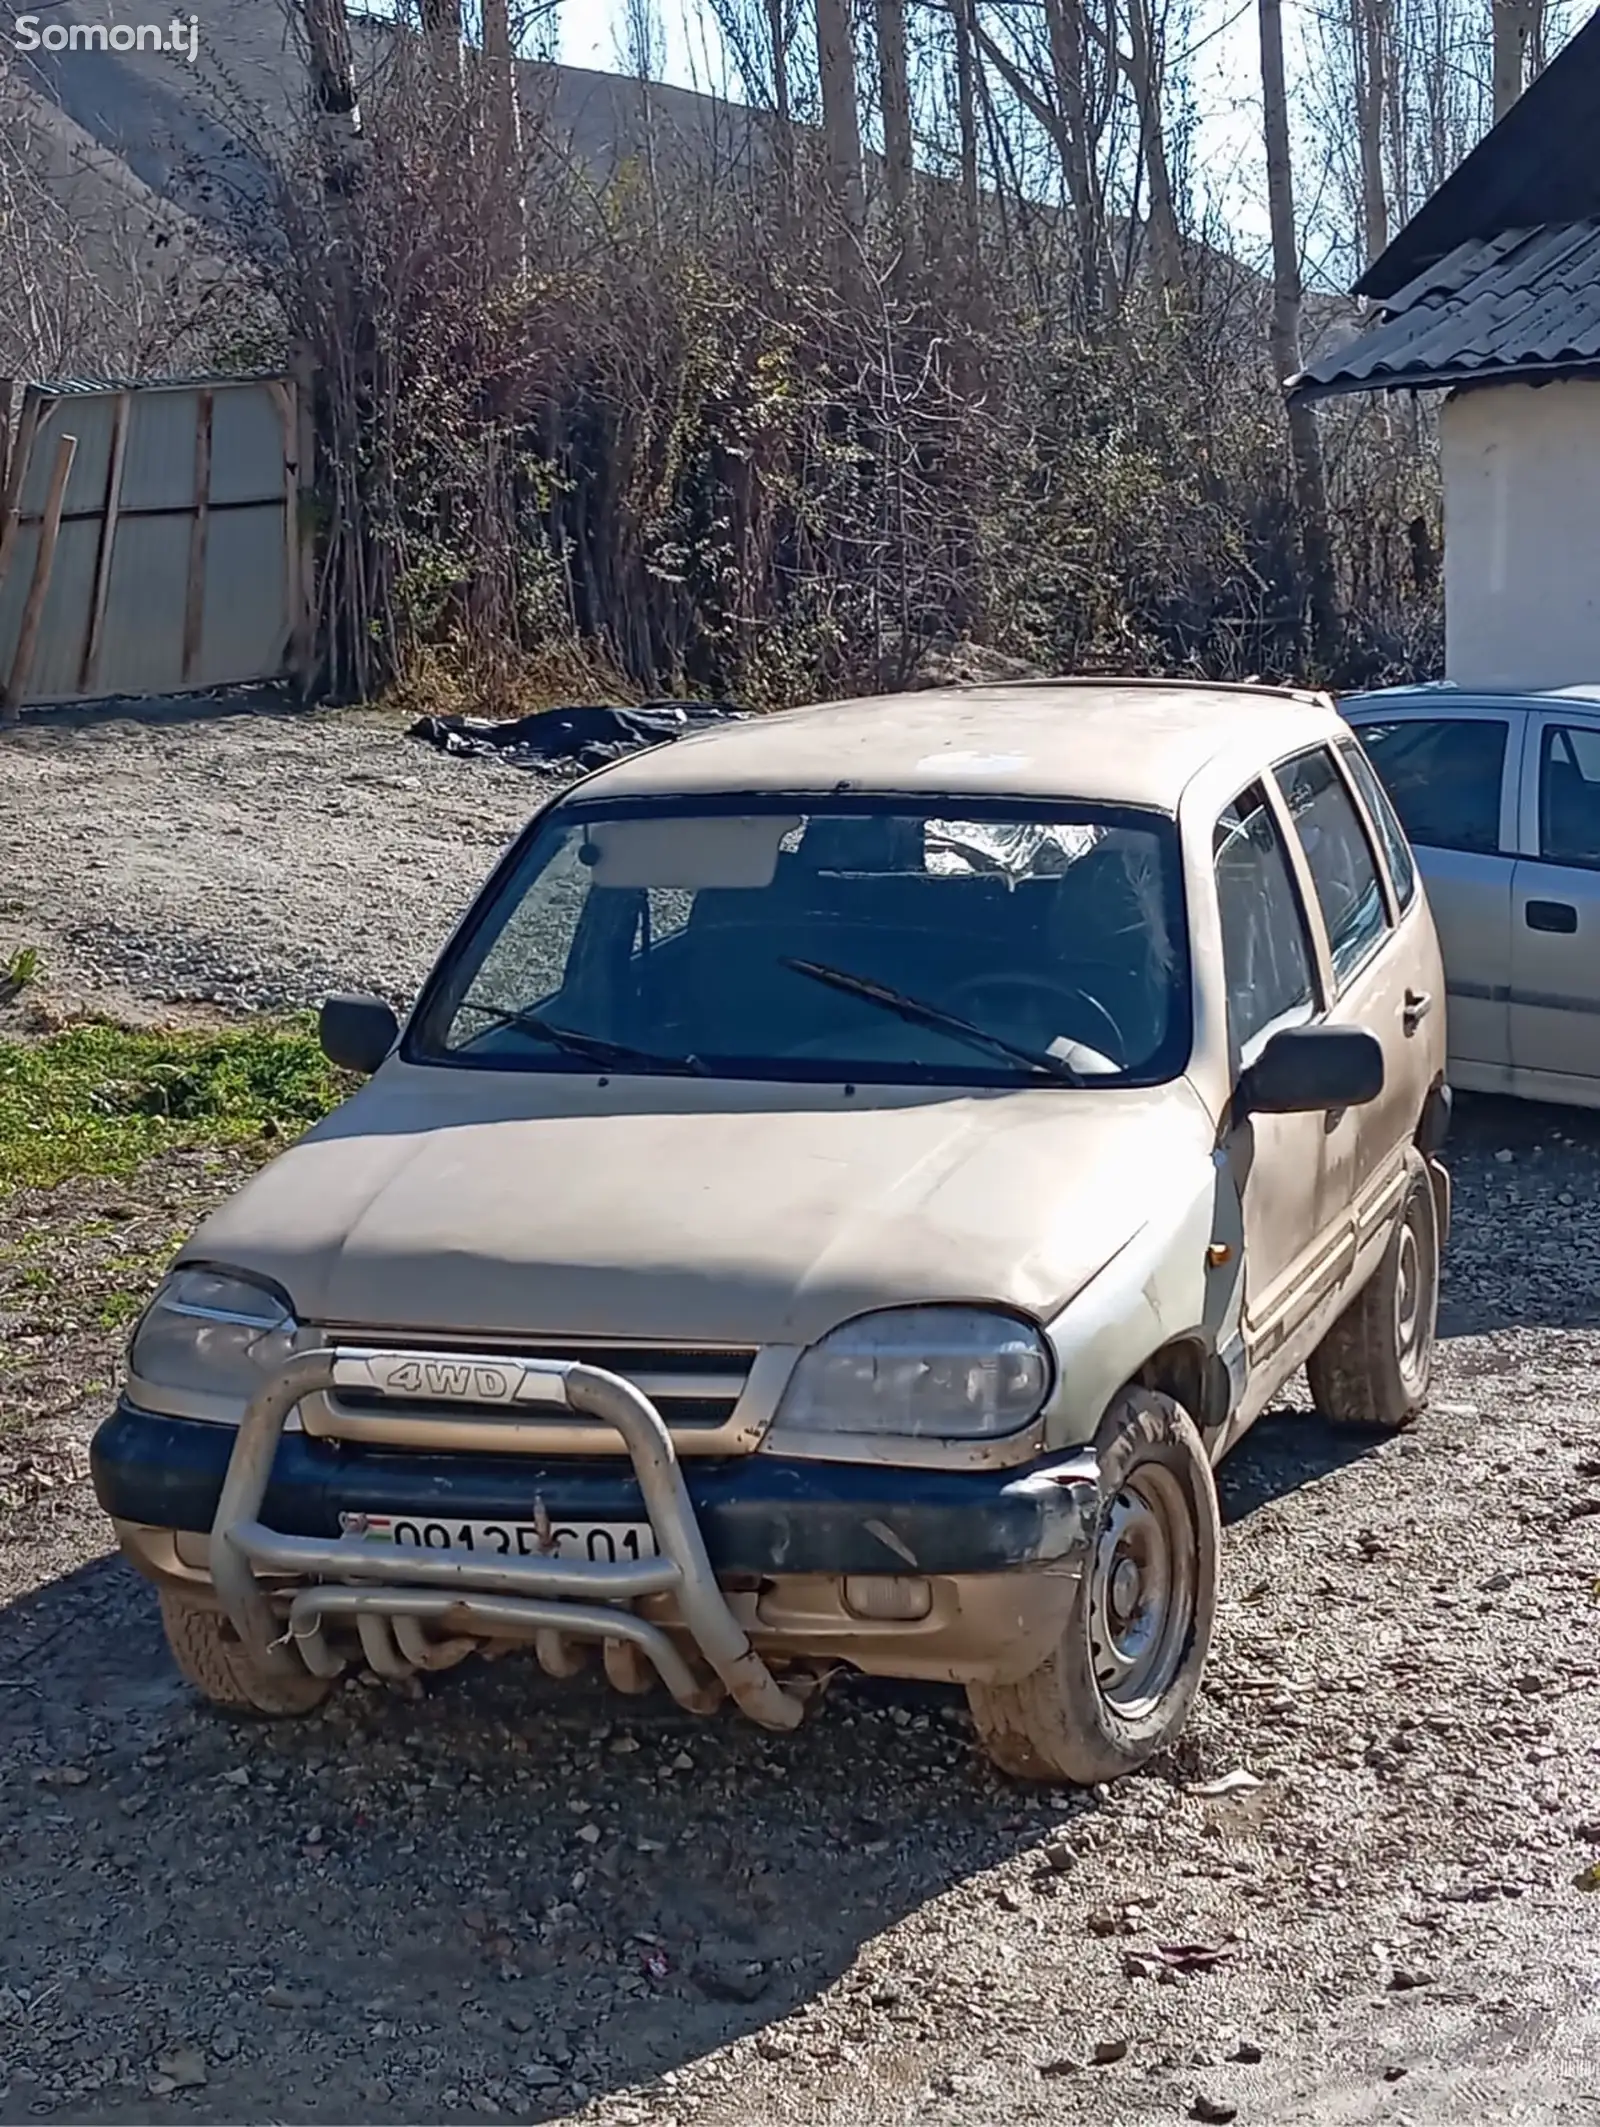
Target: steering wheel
(965, 994)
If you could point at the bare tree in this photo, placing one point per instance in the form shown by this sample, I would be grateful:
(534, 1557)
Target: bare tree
(1311, 491)
(1396, 91)
(1517, 31)
(780, 35)
(894, 99)
(502, 112)
(841, 123)
(336, 109)
(1372, 40)
(643, 51)
(968, 64)
(441, 23)
(1142, 67)
(1056, 86)
(641, 43)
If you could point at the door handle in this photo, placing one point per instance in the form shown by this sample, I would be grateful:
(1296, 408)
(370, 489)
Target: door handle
(1418, 1004)
(1558, 916)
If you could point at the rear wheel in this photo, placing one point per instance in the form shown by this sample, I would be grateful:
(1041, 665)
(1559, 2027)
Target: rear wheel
(1375, 1366)
(211, 1656)
(1119, 1685)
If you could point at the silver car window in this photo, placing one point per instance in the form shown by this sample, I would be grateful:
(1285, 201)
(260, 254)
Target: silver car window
(1266, 952)
(1343, 868)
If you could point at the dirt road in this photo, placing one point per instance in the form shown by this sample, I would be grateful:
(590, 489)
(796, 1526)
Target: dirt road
(519, 1901)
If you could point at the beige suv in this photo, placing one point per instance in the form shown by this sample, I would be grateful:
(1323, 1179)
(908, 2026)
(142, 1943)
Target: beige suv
(846, 1182)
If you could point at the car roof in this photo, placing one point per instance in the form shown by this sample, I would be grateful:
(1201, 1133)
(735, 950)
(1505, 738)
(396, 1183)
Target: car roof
(1442, 691)
(1108, 741)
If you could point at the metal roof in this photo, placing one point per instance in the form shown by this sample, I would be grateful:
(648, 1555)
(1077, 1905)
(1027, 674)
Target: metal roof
(204, 380)
(1521, 305)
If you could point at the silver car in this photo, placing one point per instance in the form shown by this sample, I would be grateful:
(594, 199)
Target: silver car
(1500, 796)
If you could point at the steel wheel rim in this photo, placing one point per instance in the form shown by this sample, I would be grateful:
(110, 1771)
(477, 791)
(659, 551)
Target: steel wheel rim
(1413, 1295)
(1142, 1593)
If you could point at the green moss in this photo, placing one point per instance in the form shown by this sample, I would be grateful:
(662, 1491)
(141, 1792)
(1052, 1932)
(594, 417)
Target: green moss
(100, 1100)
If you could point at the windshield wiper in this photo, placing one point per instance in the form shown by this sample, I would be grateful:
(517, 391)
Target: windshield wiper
(593, 1048)
(918, 1013)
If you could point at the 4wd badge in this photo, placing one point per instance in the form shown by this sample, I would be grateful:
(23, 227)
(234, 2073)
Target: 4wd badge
(449, 1380)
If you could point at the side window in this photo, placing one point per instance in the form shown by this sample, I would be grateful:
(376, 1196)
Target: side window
(1569, 796)
(1343, 869)
(1266, 954)
(1402, 865)
(1444, 775)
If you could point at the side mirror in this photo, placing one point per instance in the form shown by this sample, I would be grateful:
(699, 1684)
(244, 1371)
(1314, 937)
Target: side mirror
(357, 1033)
(1309, 1070)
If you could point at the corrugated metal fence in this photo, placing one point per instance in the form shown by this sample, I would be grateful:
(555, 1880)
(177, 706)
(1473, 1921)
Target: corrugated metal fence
(162, 554)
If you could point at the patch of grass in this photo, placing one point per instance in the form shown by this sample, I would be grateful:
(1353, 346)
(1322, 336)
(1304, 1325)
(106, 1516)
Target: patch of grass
(117, 1309)
(21, 969)
(100, 1100)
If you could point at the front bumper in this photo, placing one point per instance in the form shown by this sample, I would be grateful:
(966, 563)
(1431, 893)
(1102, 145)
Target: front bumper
(268, 1505)
(758, 1513)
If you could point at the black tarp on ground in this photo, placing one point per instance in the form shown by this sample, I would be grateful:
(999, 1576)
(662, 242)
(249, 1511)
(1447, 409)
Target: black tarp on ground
(581, 737)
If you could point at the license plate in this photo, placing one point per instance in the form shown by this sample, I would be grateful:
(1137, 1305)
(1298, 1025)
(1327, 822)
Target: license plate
(602, 1543)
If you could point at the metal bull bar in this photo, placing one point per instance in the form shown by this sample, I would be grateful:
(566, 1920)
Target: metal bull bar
(576, 1597)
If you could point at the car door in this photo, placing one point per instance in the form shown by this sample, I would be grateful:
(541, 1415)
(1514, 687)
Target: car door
(1273, 980)
(1379, 982)
(1555, 911)
(1452, 774)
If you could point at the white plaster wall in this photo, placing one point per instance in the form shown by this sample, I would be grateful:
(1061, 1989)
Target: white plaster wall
(1522, 534)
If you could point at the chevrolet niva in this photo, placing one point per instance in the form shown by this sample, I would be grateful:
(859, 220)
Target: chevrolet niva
(847, 1180)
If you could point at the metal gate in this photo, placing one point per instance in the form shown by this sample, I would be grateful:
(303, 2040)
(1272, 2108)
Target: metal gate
(150, 539)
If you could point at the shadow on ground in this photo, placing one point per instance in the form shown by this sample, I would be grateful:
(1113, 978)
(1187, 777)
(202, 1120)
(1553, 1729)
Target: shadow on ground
(504, 1884)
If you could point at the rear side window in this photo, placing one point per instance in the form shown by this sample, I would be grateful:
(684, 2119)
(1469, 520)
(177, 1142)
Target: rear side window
(1402, 865)
(1343, 868)
(1444, 775)
(1266, 953)
(1569, 796)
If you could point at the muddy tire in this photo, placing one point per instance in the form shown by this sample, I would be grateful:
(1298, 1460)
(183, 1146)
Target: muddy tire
(1119, 1685)
(211, 1657)
(1375, 1366)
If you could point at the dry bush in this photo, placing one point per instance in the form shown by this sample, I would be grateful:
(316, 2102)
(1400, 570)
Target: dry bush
(662, 441)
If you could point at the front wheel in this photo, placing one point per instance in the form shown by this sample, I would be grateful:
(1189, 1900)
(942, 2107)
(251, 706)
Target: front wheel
(1375, 1366)
(1120, 1682)
(211, 1656)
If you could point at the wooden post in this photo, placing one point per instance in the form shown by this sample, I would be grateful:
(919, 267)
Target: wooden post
(7, 398)
(293, 400)
(43, 562)
(34, 410)
(300, 501)
(194, 600)
(90, 666)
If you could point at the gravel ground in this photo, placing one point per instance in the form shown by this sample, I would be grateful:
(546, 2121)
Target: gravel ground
(512, 1900)
(241, 854)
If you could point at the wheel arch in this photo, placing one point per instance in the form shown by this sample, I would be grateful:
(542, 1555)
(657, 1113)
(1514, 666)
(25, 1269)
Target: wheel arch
(1190, 1371)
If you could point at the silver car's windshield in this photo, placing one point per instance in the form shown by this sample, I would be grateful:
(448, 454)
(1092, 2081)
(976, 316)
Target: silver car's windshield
(811, 939)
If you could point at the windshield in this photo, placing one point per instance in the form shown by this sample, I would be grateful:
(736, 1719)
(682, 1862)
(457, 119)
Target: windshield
(820, 939)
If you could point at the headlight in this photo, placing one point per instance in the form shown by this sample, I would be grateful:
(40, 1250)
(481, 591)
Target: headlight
(212, 1333)
(946, 1373)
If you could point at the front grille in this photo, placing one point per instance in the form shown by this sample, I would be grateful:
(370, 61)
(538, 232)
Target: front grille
(695, 1387)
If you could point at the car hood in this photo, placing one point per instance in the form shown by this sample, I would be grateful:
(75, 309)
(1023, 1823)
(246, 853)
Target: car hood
(471, 1203)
